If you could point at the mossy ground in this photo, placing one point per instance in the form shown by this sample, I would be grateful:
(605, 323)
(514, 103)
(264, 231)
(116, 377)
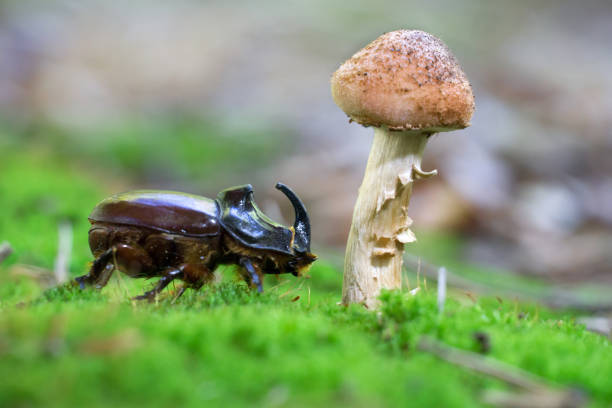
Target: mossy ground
(228, 346)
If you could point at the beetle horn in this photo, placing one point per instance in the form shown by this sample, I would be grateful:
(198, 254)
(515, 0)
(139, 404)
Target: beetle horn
(302, 223)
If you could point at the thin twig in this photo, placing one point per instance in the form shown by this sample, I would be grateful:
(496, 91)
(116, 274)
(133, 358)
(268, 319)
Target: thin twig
(554, 399)
(539, 392)
(554, 299)
(484, 365)
(5, 251)
(598, 324)
(64, 248)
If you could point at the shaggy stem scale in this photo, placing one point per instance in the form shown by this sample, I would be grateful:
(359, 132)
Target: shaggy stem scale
(381, 225)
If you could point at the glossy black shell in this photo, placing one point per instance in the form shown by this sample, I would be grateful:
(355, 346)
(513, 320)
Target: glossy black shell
(190, 215)
(165, 211)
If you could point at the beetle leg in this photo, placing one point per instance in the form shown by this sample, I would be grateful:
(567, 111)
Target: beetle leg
(246, 263)
(196, 275)
(105, 275)
(96, 270)
(161, 284)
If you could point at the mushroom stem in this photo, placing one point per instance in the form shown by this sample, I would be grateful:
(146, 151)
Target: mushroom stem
(380, 226)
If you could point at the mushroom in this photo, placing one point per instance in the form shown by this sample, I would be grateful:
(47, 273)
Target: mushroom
(408, 86)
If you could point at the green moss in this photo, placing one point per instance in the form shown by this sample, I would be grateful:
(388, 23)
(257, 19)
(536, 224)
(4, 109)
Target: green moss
(226, 353)
(547, 344)
(228, 346)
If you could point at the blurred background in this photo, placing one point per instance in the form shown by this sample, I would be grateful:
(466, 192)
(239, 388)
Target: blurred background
(199, 96)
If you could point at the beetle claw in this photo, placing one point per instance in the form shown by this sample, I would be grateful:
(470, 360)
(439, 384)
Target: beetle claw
(254, 277)
(81, 280)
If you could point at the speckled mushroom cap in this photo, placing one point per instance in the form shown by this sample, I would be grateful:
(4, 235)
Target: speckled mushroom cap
(405, 79)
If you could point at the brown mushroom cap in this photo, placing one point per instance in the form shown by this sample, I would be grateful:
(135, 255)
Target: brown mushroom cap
(405, 79)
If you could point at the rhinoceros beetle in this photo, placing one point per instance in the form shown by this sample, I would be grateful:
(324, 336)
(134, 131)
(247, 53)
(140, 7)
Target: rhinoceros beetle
(172, 235)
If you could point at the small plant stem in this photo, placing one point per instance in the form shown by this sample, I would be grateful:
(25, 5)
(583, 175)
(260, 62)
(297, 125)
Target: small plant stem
(441, 289)
(5, 251)
(64, 248)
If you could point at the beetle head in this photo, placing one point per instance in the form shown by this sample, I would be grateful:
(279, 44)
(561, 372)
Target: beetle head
(296, 264)
(300, 264)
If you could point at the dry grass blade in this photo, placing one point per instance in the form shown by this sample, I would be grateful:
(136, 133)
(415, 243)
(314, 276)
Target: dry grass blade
(41, 276)
(294, 289)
